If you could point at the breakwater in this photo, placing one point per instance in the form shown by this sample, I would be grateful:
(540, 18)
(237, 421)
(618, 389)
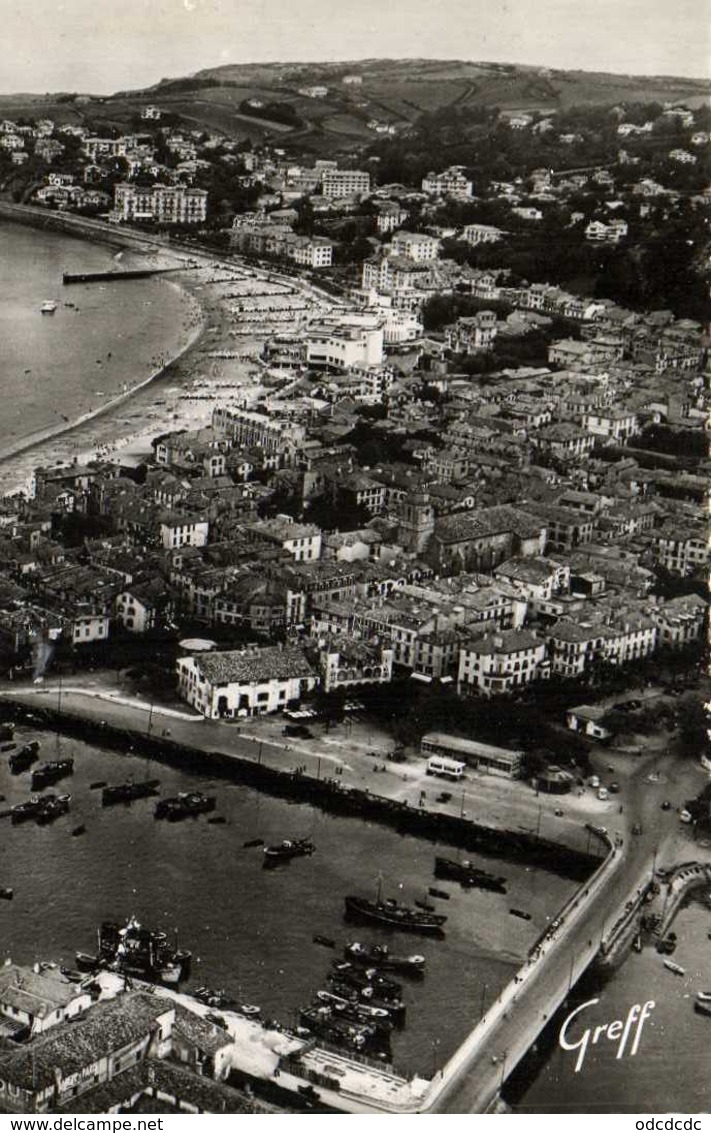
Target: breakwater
(112, 276)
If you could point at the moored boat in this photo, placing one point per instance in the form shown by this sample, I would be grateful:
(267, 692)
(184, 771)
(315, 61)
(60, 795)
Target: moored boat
(6, 893)
(703, 996)
(287, 849)
(702, 1007)
(48, 307)
(394, 915)
(128, 791)
(361, 1012)
(133, 950)
(40, 808)
(468, 874)
(360, 978)
(380, 956)
(675, 968)
(48, 773)
(22, 759)
(187, 804)
(367, 995)
(321, 1020)
(53, 808)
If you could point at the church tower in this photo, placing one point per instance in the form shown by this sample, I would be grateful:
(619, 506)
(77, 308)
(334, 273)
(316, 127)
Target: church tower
(417, 521)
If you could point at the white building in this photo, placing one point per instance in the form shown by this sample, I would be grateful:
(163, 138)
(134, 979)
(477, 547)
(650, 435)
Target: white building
(249, 682)
(611, 424)
(181, 531)
(337, 183)
(342, 341)
(451, 183)
(89, 626)
(415, 246)
(482, 234)
(610, 233)
(35, 1001)
(164, 204)
(311, 251)
(502, 662)
(301, 540)
(347, 663)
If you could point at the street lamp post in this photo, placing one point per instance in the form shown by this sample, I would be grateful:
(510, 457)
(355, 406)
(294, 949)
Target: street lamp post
(503, 1069)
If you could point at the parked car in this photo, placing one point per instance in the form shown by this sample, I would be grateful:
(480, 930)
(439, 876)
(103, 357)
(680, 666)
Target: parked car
(666, 805)
(614, 788)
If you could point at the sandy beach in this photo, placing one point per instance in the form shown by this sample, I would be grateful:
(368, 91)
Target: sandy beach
(230, 309)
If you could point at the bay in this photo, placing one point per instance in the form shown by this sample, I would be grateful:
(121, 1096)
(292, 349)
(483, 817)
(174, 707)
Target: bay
(102, 338)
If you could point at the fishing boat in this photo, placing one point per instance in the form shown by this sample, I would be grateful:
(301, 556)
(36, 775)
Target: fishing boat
(321, 1020)
(289, 848)
(48, 773)
(251, 842)
(367, 995)
(40, 808)
(6, 893)
(48, 307)
(702, 1008)
(22, 759)
(675, 968)
(326, 941)
(361, 1012)
(380, 956)
(389, 912)
(360, 978)
(52, 808)
(128, 791)
(187, 804)
(703, 996)
(133, 950)
(520, 913)
(468, 874)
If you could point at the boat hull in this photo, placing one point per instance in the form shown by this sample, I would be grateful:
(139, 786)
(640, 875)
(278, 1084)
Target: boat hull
(395, 917)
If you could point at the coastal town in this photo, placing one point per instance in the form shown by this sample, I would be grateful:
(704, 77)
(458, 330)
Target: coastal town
(422, 513)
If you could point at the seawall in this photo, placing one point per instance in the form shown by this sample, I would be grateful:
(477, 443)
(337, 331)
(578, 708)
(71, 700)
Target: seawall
(325, 793)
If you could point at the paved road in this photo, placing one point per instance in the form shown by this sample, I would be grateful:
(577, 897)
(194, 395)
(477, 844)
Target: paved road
(476, 1083)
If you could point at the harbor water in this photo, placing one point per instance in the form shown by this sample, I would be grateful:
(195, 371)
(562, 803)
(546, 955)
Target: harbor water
(102, 338)
(669, 1071)
(251, 929)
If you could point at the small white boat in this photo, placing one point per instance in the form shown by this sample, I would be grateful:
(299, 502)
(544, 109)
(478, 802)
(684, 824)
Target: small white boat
(675, 968)
(704, 996)
(48, 307)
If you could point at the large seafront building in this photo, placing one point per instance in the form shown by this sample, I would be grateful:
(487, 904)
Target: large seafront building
(246, 682)
(164, 204)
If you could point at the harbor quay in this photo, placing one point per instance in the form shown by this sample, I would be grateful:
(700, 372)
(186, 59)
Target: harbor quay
(474, 1075)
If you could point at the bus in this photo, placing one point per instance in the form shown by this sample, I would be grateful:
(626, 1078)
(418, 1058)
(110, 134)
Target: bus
(445, 768)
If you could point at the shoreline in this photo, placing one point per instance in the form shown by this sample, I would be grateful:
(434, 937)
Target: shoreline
(81, 228)
(53, 431)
